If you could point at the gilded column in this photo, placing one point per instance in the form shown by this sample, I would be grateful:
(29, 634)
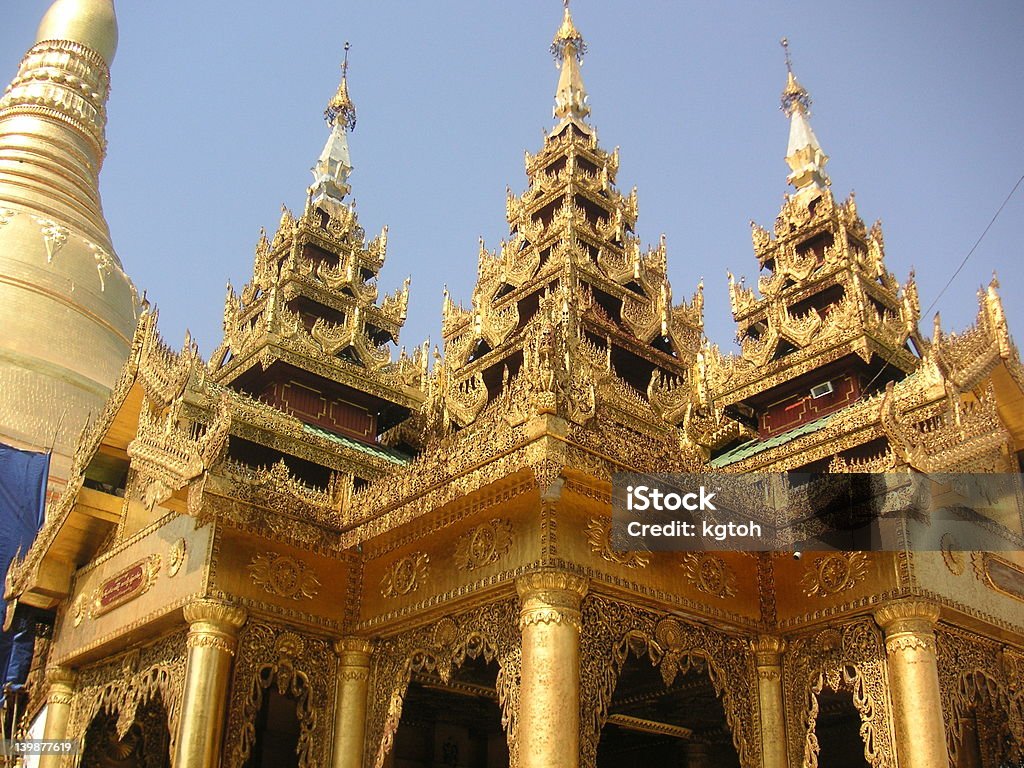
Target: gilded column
(350, 701)
(914, 682)
(212, 635)
(58, 709)
(768, 651)
(698, 755)
(549, 695)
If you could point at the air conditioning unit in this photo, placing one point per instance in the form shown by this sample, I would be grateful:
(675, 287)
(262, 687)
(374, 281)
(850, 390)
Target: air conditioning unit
(820, 390)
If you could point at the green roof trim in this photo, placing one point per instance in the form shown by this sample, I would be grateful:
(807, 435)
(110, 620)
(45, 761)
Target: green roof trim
(377, 451)
(754, 447)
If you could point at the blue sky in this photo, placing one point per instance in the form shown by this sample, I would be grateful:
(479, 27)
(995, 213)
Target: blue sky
(215, 119)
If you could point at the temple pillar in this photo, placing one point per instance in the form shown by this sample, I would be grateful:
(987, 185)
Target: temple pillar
(698, 755)
(548, 731)
(212, 637)
(58, 709)
(350, 701)
(768, 651)
(914, 682)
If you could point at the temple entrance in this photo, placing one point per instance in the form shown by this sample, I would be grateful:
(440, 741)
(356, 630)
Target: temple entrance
(649, 723)
(277, 732)
(838, 730)
(453, 725)
(146, 744)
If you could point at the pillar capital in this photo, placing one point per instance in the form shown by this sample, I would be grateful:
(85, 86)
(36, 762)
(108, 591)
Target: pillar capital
(221, 614)
(907, 616)
(214, 624)
(353, 647)
(61, 676)
(551, 597)
(552, 585)
(768, 650)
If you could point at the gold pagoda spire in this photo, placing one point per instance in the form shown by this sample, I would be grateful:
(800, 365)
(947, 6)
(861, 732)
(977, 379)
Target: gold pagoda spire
(340, 109)
(568, 48)
(89, 22)
(804, 154)
(60, 279)
(334, 166)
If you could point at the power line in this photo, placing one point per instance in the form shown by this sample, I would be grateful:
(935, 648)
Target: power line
(951, 279)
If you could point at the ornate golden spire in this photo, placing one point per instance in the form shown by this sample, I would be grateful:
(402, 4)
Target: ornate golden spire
(340, 107)
(804, 155)
(568, 48)
(332, 169)
(89, 22)
(60, 278)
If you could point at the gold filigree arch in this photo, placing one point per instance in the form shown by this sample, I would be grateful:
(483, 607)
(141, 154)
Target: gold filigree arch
(613, 631)
(130, 682)
(490, 633)
(976, 671)
(849, 658)
(302, 668)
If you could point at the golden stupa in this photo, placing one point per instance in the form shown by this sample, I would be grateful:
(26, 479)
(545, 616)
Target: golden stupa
(66, 306)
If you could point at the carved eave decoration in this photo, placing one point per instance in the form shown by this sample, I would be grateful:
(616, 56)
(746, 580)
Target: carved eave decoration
(80, 519)
(526, 428)
(260, 327)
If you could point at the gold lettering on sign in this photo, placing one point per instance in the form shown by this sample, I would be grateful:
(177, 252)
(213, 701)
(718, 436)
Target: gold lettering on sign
(127, 585)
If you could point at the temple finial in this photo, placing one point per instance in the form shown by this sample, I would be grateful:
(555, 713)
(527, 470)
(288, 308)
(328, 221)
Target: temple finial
(341, 106)
(794, 96)
(804, 154)
(332, 169)
(568, 48)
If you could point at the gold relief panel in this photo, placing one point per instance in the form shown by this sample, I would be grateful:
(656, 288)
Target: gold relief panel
(485, 544)
(599, 533)
(834, 573)
(131, 585)
(709, 574)
(283, 576)
(176, 558)
(405, 576)
(952, 556)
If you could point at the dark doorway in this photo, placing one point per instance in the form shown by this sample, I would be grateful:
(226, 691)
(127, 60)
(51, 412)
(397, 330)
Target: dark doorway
(277, 732)
(649, 723)
(146, 744)
(453, 725)
(838, 731)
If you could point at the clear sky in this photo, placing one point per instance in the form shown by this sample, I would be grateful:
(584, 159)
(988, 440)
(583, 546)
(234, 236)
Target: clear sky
(215, 120)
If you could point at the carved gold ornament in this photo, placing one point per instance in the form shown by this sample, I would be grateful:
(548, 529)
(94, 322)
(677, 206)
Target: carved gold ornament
(709, 573)
(599, 533)
(405, 575)
(283, 576)
(951, 554)
(79, 610)
(175, 558)
(484, 545)
(834, 573)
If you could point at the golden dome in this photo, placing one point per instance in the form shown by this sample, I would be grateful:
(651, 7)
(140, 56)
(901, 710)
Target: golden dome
(67, 308)
(89, 22)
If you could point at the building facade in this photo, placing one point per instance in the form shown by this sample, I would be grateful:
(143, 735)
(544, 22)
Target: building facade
(307, 552)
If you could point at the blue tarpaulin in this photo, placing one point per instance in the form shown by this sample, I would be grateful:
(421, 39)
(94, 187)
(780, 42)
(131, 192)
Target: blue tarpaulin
(23, 477)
